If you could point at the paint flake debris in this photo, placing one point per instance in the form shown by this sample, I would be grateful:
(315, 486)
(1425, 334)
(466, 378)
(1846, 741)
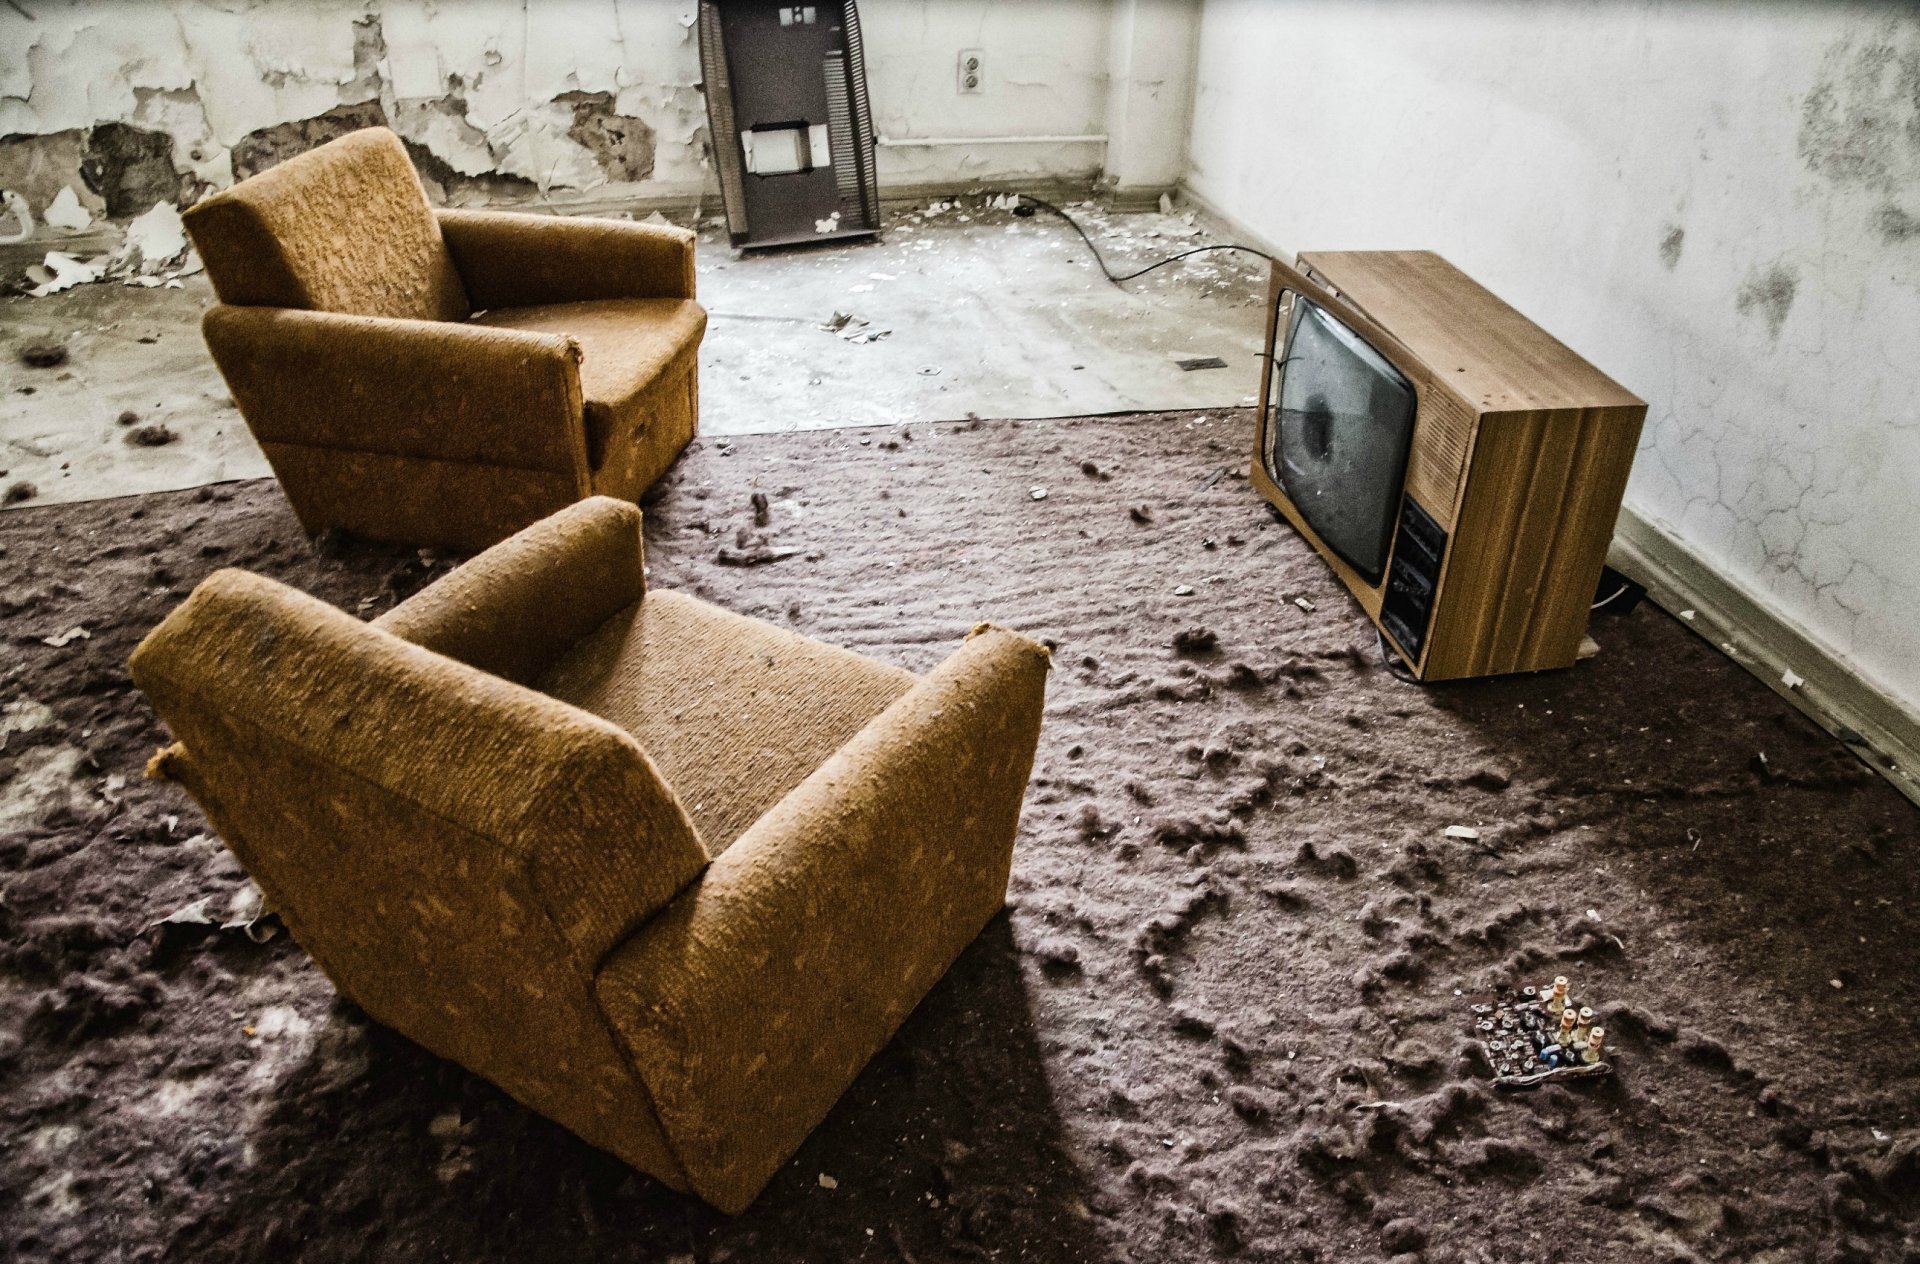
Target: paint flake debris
(65, 212)
(153, 241)
(22, 215)
(62, 271)
(1465, 833)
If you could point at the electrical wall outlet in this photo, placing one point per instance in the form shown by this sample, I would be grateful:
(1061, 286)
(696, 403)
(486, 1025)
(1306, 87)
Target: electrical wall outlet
(972, 71)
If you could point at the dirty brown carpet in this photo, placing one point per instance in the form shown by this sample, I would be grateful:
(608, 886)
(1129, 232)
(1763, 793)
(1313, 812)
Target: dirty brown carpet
(1220, 1018)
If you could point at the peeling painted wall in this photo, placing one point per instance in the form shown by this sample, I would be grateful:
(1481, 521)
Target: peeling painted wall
(129, 101)
(1715, 203)
(494, 101)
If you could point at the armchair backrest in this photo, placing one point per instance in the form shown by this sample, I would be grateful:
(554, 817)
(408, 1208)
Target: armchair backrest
(344, 227)
(457, 852)
(515, 608)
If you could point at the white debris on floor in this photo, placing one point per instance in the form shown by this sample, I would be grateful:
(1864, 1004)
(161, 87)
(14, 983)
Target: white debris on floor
(997, 316)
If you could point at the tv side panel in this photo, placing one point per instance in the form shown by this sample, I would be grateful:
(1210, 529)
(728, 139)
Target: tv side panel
(1536, 519)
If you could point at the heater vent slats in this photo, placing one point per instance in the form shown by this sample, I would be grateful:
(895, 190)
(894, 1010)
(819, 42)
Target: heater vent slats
(846, 173)
(720, 126)
(1435, 463)
(861, 117)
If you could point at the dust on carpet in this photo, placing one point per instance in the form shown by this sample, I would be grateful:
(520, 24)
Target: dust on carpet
(1222, 1016)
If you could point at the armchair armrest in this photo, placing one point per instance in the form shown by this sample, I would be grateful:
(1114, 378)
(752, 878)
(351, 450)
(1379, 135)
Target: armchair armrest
(752, 1001)
(518, 260)
(568, 807)
(515, 608)
(438, 390)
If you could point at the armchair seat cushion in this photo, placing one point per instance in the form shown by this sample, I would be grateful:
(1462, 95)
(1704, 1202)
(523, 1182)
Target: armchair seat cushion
(734, 712)
(628, 346)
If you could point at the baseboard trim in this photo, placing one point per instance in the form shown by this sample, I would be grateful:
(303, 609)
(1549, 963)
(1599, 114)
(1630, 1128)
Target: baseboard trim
(679, 203)
(1224, 226)
(1874, 726)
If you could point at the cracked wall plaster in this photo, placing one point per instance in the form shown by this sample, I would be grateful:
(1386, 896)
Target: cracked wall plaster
(1712, 203)
(495, 101)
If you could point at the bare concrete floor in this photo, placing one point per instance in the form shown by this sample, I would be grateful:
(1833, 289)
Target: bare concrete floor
(984, 313)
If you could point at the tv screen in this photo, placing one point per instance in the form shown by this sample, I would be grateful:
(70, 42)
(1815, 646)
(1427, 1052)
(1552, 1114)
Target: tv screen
(1342, 426)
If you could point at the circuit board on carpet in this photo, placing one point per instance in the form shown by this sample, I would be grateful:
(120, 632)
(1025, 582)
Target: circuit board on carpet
(1538, 1035)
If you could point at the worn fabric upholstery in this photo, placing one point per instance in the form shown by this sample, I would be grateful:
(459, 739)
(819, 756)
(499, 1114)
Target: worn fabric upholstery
(357, 777)
(681, 676)
(680, 926)
(521, 606)
(344, 332)
(752, 1001)
(342, 228)
(513, 260)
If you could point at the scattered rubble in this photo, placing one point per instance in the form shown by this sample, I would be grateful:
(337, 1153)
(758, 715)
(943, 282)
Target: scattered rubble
(21, 213)
(1195, 640)
(43, 355)
(62, 271)
(246, 911)
(153, 252)
(155, 435)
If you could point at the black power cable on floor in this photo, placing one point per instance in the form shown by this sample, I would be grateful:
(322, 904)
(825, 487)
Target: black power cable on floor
(1032, 202)
(1395, 665)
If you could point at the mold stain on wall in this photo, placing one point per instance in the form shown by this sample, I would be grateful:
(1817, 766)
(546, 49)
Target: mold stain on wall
(1897, 224)
(1671, 244)
(622, 145)
(1769, 292)
(1860, 125)
(1861, 122)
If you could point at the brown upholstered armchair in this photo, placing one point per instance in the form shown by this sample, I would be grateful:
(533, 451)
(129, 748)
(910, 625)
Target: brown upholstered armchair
(444, 378)
(667, 875)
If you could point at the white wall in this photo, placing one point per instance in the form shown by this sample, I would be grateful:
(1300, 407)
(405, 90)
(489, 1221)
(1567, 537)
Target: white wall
(476, 82)
(1046, 75)
(1150, 93)
(1718, 204)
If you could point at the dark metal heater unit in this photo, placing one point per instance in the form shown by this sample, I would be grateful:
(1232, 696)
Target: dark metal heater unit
(792, 130)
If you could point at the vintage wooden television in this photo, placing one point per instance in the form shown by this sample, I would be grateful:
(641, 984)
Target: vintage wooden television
(1458, 467)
